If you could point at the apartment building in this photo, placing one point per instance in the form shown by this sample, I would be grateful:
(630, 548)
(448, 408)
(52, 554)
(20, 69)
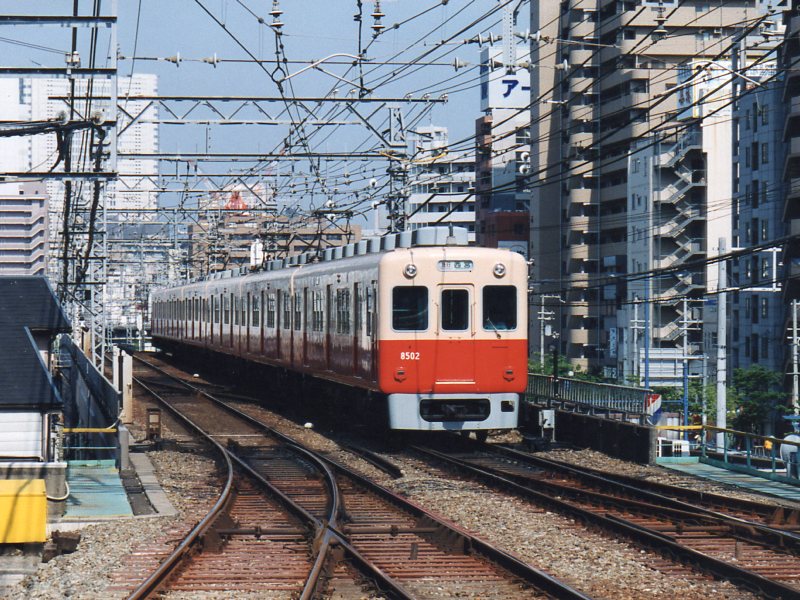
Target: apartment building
(502, 154)
(442, 182)
(23, 229)
(757, 313)
(608, 91)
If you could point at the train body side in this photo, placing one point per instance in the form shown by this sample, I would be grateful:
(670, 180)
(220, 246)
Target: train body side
(345, 321)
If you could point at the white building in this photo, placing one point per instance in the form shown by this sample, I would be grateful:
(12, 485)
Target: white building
(44, 99)
(442, 184)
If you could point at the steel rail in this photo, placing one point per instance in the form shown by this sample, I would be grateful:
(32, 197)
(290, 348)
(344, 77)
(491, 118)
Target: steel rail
(780, 537)
(771, 512)
(157, 578)
(512, 564)
(660, 542)
(327, 533)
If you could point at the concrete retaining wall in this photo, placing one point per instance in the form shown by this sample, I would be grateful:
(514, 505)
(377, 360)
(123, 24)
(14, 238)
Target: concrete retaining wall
(619, 439)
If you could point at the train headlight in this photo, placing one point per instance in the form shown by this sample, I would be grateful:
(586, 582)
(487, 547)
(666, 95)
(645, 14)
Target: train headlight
(410, 271)
(499, 270)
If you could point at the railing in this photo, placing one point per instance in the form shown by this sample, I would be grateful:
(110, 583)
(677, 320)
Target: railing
(751, 449)
(104, 443)
(589, 396)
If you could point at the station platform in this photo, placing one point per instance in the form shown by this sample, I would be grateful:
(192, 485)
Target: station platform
(96, 492)
(760, 485)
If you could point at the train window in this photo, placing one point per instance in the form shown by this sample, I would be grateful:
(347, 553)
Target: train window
(342, 311)
(317, 312)
(245, 302)
(410, 308)
(226, 309)
(499, 307)
(287, 311)
(455, 310)
(236, 302)
(215, 308)
(256, 318)
(298, 311)
(370, 305)
(271, 310)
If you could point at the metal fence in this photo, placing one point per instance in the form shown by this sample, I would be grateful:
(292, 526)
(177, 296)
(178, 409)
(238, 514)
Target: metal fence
(588, 396)
(91, 405)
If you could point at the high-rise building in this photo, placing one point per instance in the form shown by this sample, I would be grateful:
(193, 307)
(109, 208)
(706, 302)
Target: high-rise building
(46, 99)
(607, 92)
(442, 183)
(23, 229)
(502, 154)
(757, 316)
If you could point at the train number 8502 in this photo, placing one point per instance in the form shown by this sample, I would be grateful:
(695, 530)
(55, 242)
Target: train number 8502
(409, 356)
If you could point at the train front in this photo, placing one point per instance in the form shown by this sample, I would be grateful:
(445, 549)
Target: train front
(453, 345)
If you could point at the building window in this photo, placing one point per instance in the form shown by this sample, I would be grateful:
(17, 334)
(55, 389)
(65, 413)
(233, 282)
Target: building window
(764, 121)
(764, 230)
(747, 157)
(764, 307)
(764, 347)
(747, 119)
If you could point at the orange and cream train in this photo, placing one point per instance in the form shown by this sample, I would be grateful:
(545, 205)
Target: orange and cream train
(434, 329)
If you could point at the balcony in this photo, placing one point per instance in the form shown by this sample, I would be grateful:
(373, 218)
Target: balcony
(579, 278)
(580, 56)
(578, 336)
(580, 223)
(579, 252)
(582, 29)
(581, 139)
(583, 196)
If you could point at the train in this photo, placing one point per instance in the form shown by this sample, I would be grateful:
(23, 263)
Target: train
(419, 326)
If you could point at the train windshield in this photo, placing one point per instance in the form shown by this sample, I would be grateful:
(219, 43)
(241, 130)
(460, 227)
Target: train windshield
(499, 307)
(455, 310)
(410, 308)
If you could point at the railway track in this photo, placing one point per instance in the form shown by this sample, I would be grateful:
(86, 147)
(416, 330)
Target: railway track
(758, 557)
(362, 532)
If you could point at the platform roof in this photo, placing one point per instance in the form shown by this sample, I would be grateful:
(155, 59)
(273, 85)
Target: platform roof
(28, 310)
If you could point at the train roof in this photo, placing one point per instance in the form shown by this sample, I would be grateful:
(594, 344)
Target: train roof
(428, 236)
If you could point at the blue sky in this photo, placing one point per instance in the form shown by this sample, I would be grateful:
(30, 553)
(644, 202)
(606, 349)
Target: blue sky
(313, 29)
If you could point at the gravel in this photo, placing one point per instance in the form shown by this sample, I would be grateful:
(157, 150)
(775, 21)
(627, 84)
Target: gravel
(603, 462)
(104, 555)
(593, 563)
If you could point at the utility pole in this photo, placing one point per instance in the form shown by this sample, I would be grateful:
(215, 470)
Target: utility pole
(722, 349)
(686, 365)
(544, 315)
(795, 386)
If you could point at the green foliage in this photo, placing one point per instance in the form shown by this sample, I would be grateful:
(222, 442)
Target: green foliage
(564, 368)
(756, 397)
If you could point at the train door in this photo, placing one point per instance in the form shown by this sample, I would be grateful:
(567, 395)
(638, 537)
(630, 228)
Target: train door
(372, 330)
(293, 300)
(328, 322)
(278, 322)
(455, 351)
(356, 327)
(262, 317)
(304, 358)
(248, 322)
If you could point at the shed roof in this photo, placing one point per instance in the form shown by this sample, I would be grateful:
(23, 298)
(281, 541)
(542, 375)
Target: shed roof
(28, 309)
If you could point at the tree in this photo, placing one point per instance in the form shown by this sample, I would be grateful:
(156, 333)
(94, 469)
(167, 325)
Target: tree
(564, 368)
(756, 396)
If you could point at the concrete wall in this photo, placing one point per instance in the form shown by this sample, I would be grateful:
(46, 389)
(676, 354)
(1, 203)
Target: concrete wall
(619, 439)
